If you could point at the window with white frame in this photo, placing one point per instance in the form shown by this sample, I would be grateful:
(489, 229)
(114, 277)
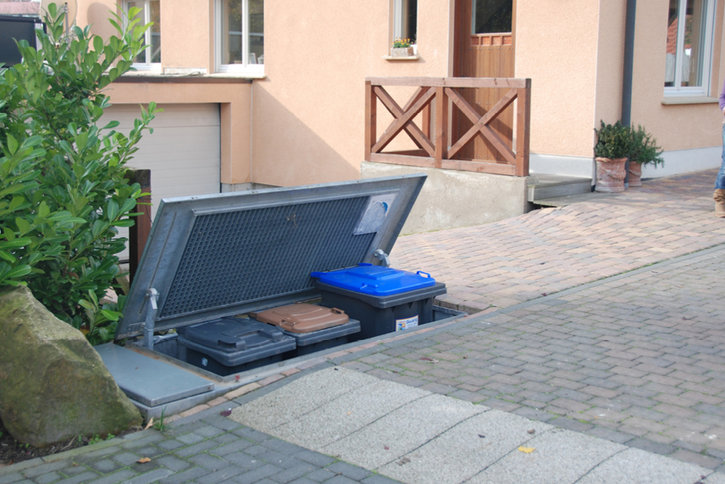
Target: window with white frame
(405, 20)
(240, 36)
(150, 57)
(690, 27)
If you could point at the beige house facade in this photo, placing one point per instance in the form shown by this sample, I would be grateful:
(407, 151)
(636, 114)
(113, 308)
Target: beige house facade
(282, 81)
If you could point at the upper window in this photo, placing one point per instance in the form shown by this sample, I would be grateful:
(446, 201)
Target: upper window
(150, 57)
(491, 16)
(240, 36)
(405, 20)
(689, 47)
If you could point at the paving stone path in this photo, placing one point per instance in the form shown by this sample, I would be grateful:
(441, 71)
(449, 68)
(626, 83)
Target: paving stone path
(637, 359)
(493, 266)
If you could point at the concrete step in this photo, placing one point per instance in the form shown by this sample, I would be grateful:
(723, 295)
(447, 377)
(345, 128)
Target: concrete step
(542, 187)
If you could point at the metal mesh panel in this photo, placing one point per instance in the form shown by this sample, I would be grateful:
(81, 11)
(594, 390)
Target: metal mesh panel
(249, 255)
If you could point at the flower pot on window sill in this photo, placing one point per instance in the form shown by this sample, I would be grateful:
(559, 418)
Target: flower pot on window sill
(401, 52)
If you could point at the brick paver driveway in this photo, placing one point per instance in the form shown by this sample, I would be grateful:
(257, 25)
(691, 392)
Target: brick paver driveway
(606, 317)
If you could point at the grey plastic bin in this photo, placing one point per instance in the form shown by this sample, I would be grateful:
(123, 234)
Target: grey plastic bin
(229, 345)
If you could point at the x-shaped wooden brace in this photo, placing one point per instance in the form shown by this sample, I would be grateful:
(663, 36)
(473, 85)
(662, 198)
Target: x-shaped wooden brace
(480, 123)
(402, 118)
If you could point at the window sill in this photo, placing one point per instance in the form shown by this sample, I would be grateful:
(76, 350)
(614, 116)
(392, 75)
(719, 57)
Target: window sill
(401, 58)
(249, 71)
(148, 69)
(232, 75)
(181, 78)
(678, 100)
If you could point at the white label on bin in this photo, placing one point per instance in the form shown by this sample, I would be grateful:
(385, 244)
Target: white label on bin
(406, 323)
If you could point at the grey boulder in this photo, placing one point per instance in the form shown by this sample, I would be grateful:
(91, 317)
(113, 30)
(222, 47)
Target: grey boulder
(53, 384)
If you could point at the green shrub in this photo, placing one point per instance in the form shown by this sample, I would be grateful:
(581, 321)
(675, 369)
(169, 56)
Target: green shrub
(63, 191)
(644, 148)
(613, 140)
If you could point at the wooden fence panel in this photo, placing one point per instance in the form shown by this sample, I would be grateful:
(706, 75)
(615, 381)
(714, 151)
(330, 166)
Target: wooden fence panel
(443, 96)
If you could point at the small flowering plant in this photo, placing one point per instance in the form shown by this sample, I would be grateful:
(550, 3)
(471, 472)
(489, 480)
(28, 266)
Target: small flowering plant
(401, 43)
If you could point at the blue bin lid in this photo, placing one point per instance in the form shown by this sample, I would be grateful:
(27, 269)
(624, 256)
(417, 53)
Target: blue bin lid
(375, 280)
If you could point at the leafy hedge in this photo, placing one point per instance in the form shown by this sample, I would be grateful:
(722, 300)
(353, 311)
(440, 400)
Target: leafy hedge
(63, 191)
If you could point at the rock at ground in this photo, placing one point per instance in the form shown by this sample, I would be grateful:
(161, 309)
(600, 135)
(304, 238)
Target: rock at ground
(53, 384)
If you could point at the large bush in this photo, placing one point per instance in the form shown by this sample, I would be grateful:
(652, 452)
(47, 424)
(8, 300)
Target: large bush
(63, 191)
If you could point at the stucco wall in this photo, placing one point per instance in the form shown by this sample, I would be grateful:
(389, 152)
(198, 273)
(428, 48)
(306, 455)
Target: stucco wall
(308, 113)
(573, 51)
(556, 45)
(185, 40)
(186, 30)
(610, 63)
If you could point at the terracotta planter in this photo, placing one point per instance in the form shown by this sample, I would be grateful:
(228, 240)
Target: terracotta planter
(634, 174)
(610, 174)
(401, 51)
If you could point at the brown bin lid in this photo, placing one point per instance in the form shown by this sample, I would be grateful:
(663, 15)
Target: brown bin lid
(302, 317)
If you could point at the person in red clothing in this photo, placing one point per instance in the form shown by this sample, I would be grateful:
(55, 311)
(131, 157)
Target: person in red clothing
(719, 194)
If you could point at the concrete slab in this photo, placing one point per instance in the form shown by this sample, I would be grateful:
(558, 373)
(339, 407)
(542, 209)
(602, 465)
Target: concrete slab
(402, 431)
(558, 456)
(637, 466)
(346, 414)
(445, 200)
(150, 381)
(461, 452)
(715, 478)
(299, 397)
(413, 435)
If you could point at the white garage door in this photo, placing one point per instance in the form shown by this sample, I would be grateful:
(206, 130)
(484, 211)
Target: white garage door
(183, 153)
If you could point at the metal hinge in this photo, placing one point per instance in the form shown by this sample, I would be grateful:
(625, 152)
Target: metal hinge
(382, 256)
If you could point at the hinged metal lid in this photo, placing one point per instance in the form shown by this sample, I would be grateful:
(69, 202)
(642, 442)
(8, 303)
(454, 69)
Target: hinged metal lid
(224, 254)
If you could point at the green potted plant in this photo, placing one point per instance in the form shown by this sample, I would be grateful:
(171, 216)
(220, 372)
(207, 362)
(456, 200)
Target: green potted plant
(610, 153)
(643, 150)
(402, 48)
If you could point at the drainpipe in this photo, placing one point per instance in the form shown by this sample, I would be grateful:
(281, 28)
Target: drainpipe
(627, 71)
(628, 63)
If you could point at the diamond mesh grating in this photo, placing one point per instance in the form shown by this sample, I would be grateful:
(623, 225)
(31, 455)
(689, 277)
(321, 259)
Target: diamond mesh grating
(249, 255)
